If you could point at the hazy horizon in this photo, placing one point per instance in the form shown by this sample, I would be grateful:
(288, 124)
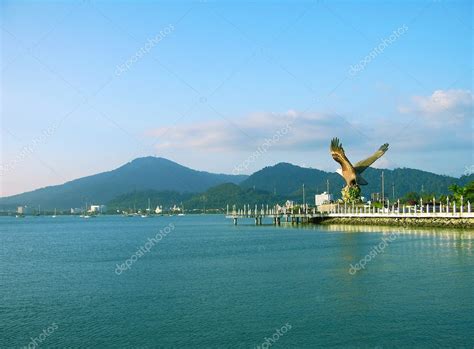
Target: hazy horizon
(88, 86)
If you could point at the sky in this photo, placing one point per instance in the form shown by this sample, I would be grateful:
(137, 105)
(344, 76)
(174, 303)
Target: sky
(232, 86)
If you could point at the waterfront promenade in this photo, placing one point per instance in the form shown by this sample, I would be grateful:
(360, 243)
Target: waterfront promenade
(433, 215)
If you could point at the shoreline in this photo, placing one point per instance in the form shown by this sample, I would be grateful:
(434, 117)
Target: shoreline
(432, 222)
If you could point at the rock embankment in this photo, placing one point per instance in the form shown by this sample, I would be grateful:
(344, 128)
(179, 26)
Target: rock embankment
(403, 221)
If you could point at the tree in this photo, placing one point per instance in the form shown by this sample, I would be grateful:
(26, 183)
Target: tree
(466, 193)
(411, 198)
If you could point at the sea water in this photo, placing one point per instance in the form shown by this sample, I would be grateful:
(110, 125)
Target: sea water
(201, 282)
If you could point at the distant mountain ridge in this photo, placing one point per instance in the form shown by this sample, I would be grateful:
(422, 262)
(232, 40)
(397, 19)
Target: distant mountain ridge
(217, 197)
(168, 181)
(287, 180)
(148, 173)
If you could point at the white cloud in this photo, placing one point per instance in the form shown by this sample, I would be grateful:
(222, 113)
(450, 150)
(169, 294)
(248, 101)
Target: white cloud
(442, 106)
(306, 131)
(234, 140)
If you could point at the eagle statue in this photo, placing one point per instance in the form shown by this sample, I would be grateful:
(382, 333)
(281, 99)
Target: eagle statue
(352, 173)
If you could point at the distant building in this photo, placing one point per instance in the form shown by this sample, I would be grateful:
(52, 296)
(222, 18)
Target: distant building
(159, 209)
(289, 204)
(324, 198)
(77, 210)
(24, 210)
(97, 209)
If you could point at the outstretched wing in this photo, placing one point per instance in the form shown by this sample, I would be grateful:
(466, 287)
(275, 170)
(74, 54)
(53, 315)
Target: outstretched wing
(337, 152)
(362, 165)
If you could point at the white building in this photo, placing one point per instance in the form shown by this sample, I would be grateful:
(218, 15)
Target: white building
(159, 209)
(97, 209)
(24, 210)
(324, 198)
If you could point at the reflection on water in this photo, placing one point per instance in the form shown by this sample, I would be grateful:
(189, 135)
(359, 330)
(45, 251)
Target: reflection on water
(421, 237)
(460, 240)
(420, 231)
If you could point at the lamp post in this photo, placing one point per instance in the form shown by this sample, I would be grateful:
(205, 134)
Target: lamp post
(304, 200)
(383, 190)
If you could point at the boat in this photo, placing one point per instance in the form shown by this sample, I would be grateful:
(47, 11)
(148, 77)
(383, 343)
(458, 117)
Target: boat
(54, 215)
(159, 210)
(148, 210)
(87, 214)
(182, 211)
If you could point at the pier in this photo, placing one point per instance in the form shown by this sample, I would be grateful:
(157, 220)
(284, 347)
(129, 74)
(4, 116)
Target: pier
(441, 214)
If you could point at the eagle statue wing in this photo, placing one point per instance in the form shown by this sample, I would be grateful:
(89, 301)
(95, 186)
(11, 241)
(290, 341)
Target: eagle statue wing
(337, 153)
(363, 164)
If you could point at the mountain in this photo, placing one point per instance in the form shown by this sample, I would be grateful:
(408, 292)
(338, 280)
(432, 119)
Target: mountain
(287, 180)
(139, 200)
(167, 182)
(281, 182)
(218, 197)
(148, 173)
(214, 198)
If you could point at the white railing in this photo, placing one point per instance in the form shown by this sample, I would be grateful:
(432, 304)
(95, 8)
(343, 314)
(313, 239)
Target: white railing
(431, 210)
(423, 211)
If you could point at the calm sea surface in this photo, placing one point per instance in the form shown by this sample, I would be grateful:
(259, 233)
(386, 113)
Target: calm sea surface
(209, 284)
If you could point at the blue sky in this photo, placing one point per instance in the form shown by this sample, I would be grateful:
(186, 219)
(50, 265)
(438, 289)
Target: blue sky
(207, 83)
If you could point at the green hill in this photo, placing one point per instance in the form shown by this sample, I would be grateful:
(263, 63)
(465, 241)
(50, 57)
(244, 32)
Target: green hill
(168, 183)
(149, 173)
(287, 180)
(215, 198)
(139, 200)
(221, 195)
